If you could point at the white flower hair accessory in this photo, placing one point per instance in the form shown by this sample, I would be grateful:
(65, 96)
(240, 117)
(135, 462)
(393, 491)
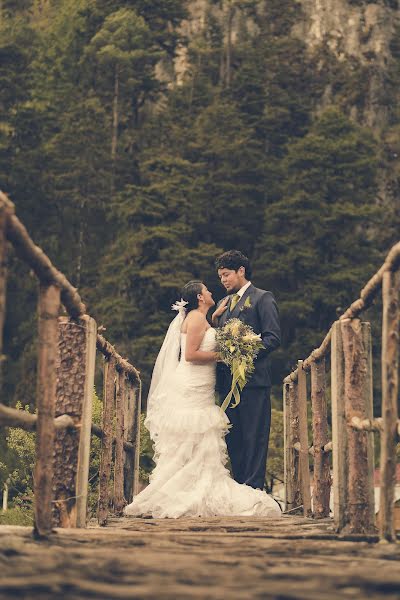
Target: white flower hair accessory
(179, 305)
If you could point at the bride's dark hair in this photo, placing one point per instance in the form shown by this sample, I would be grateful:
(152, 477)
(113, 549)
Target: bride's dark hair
(189, 293)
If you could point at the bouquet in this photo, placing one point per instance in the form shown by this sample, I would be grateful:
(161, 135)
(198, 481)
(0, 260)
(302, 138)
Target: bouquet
(238, 346)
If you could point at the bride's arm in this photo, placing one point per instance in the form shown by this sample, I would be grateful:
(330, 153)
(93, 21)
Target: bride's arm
(222, 306)
(194, 336)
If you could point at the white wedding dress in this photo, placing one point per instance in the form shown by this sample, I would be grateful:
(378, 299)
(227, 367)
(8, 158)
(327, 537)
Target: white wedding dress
(190, 478)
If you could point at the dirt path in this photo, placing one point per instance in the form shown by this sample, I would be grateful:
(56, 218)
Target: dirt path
(290, 558)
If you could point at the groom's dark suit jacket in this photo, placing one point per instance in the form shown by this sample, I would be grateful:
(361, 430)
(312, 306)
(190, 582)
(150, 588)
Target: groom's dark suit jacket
(263, 316)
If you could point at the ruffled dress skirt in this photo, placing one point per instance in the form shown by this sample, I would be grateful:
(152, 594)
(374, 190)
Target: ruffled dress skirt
(190, 478)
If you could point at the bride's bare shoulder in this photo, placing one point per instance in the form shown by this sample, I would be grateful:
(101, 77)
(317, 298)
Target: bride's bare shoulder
(194, 321)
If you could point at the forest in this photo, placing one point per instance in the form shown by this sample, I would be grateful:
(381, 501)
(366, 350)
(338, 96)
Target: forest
(133, 175)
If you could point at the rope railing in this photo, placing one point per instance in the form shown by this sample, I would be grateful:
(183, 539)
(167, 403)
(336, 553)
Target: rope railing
(349, 343)
(65, 386)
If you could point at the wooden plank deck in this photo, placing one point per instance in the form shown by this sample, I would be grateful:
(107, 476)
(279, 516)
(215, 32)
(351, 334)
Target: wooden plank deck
(240, 558)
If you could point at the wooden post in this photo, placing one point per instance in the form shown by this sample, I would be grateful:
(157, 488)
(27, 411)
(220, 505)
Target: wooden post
(322, 475)
(339, 431)
(106, 453)
(294, 500)
(3, 280)
(137, 439)
(356, 384)
(132, 435)
(304, 464)
(49, 306)
(390, 390)
(75, 385)
(5, 497)
(286, 459)
(119, 500)
(368, 395)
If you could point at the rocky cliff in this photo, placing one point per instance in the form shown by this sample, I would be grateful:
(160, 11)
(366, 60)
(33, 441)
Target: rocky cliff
(355, 30)
(357, 35)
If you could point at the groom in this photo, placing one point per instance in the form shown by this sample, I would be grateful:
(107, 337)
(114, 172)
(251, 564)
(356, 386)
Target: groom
(247, 440)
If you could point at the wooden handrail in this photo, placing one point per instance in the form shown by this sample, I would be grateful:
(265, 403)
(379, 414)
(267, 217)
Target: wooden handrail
(47, 274)
(367, 295)
(21, 419)
(353, 425)
(121, 364)
(67, 344)
(39, 262)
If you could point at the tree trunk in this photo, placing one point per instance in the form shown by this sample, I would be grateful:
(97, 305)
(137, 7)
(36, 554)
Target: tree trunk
(231, 13)
(114, 138)
(3, 280)
(80, 243)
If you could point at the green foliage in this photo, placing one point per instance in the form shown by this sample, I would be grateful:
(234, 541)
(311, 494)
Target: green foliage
(94, 459)
(276, 446)
(16, 516)
(146, 451)
(19, 469)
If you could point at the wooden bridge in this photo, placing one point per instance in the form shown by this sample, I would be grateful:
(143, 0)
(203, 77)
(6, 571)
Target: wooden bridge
(306, 554)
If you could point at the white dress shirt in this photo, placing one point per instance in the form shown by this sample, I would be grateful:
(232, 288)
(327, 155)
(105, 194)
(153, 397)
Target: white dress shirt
(243, 289)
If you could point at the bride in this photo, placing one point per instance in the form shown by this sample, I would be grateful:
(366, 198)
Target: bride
(187, 427)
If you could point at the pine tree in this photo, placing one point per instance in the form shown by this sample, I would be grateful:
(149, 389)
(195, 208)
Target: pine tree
(317, 247)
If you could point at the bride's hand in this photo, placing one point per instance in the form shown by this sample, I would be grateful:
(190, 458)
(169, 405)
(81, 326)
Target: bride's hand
(218, 357)
(221, 309)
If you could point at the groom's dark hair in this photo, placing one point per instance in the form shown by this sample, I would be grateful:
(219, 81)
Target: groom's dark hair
(233, 260)
(189, 293)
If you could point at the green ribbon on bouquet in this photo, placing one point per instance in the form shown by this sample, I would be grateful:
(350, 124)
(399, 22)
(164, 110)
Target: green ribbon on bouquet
(238, 382)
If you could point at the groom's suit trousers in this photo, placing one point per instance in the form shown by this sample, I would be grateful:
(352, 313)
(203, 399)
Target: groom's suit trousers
(247, 440)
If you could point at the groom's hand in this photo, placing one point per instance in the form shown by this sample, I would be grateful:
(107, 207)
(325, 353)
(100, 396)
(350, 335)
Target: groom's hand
(221, 309)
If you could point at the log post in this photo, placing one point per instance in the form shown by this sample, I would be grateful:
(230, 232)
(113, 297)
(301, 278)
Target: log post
(288, 492)
(368, 395)
(292, 478)
(3, 279)
(75, 385)
(5, 496)
(137, 438)
(49, 307)
(106, 451)
(339, 431)
(390, 390)
(120, 399)
(304, 465)
(132, 422)
(322, 475)
(356, 385)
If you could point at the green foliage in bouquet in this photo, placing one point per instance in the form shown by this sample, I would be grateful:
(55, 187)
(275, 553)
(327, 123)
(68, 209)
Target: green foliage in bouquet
(238, 347)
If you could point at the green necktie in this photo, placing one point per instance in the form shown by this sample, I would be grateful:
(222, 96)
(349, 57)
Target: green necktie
(234, 301)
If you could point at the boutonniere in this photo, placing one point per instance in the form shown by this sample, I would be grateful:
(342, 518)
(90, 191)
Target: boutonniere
(247, 304)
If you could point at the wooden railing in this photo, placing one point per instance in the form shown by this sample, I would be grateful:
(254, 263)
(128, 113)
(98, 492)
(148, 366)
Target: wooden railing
(65, 387)
(352, 444)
